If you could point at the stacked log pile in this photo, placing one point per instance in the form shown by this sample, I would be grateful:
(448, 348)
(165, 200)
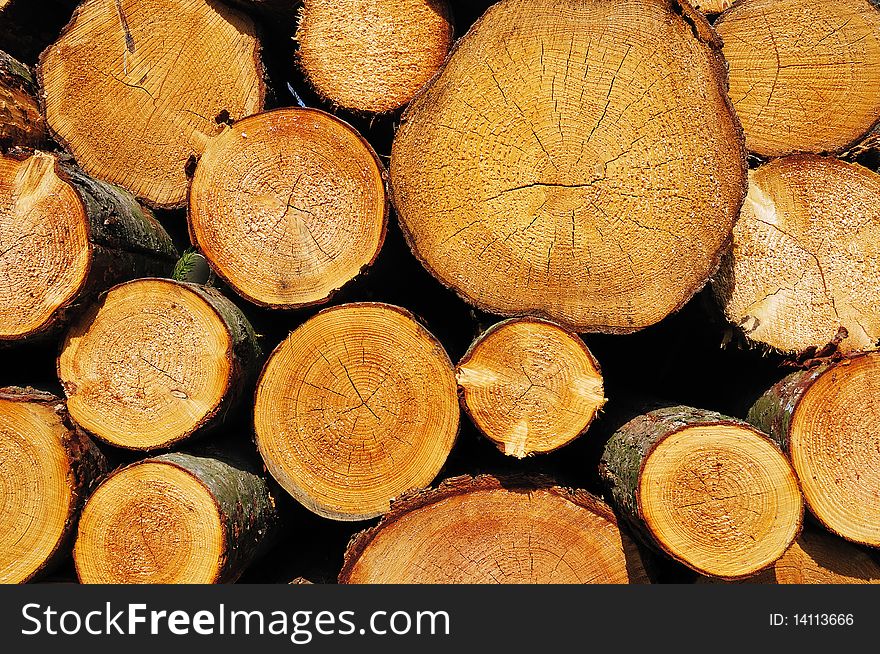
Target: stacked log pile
(434, 291)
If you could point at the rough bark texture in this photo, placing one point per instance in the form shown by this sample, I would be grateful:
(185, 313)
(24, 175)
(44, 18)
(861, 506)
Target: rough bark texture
(246, 352)
(127, 241)
(87, 466)
(21, 122)
(826, 420)
(772, 412)
(117, 221)
(247, 508)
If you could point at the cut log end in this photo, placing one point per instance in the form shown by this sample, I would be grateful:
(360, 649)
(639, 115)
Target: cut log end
(134, 91)
(356, 407)
(804, 270)
(65, 239)
(708, 490)
(372, 57)
(803, 73)
(288, 206)
(832, 442)
(721, 498)
(530, 386)
(152, 363)
(176, 518)
(485, 530)
(535, 175)
(46, 251)
(150, 523)
(47, 470)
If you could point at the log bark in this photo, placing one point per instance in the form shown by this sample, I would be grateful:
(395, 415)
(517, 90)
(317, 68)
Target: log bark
(536, 175)
(289, 234)
(530, 386)
(491, 530)
(135, 94)
(49, 468)
(372, 57)
(826, 420)
(356, 407)
(185, 357)
(819, 558)
(803, 73)
(710, 491)
(21, 123)
(176, 518)
(804, 271)
(65, 238)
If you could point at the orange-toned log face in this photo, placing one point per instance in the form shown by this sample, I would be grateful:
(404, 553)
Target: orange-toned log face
(45, 252)
(36, 496)
(834, 442)
(489, 534)
(804, 74)
(356, 407)
(288, 206)
(720, 498)
(150, 523)
(147, 366)
(530, 386)
(372, 56)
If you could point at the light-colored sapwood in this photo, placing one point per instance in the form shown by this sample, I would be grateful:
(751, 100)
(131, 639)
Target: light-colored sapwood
(804, 269)
(370, 56)
(804, 74)
(575, 160)
(288, 206)
(135, 89)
